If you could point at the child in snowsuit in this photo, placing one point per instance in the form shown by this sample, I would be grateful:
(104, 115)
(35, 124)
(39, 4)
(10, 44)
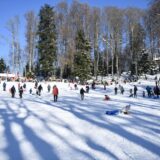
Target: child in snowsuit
(4, 86)
(30, 91)
(106, 98)
(49, 88)
(144, 94)
(87, 89)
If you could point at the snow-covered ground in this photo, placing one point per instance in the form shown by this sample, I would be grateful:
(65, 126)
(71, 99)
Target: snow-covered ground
(36, 128)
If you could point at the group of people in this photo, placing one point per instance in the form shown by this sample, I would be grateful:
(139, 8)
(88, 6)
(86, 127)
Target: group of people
(133, 92)
(82, 91)
(39, 88)
(152, 91)
(55, 90)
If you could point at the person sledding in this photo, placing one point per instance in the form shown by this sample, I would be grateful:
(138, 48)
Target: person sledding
(106, 98)
(113, 112)
(124, 110)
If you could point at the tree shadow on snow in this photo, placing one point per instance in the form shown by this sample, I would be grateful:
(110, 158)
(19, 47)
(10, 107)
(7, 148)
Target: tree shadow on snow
(45, 150)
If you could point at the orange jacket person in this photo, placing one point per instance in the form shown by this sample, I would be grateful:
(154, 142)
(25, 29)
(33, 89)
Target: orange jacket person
(55, 93)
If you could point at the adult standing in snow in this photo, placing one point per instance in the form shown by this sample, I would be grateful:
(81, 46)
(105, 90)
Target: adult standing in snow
(121, 89)
(115, 90)
(131, 94)
(75, 86)
(49, 88)
(19, 85)
(40, 88)
(55, 93)
(156, 91)
(105, 83)
(24, 86)
(13, 91)
(148, 89)
(135, 91)
(93, 85)
(82, 91)
(36, 85)
(87, 88)
(4, 86)
(20, 91)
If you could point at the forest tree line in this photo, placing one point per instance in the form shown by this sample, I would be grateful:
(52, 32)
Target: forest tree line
(79, 40)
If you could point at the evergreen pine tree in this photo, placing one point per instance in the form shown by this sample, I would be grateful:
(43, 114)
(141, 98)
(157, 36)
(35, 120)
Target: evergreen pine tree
(82, 60)
(2, 66)
(47, 40)
(153, 67)
(144, 64)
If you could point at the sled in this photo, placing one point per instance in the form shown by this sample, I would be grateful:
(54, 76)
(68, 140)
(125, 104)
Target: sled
(124, 110)
(113, 112)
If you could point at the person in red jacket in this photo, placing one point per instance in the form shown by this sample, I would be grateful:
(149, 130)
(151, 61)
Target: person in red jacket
(55, 93)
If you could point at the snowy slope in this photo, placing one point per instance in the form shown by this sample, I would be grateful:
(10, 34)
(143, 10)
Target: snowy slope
(36, 128)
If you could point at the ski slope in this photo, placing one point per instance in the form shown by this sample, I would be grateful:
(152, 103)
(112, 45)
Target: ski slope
(36, 128)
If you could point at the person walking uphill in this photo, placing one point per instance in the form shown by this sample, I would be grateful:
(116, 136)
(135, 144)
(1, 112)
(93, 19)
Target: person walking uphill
(55, 93)
(82, 91)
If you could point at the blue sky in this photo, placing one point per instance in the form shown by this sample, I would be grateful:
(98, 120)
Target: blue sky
(11, 8)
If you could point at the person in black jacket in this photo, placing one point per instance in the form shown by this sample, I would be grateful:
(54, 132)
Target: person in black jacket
(87, 88)
(40, 88)
(13, 91)
(20, 91)
(115, 90)
(4, 86)
(156, 91)
(82, 91)
(135, 91)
